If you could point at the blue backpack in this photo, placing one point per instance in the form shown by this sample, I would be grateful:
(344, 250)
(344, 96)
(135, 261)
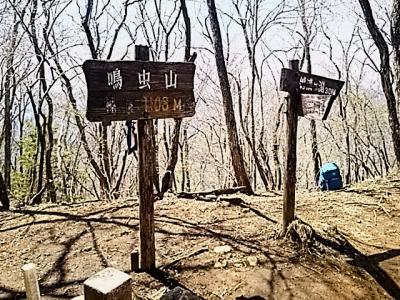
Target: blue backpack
(329, 177)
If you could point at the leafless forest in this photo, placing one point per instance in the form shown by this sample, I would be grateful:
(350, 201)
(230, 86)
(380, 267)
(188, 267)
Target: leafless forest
(194, 204)
(51, 153)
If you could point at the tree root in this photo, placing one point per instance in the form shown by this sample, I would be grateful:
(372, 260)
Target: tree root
(318, 242)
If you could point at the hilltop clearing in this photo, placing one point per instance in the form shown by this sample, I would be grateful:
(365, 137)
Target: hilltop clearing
(218, 249)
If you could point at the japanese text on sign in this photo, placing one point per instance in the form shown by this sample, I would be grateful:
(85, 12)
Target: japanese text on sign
(115, 79)
(309, 84)
(317, 93)
(132, 90)
(304, 83)
(171, 80)
(144, 80)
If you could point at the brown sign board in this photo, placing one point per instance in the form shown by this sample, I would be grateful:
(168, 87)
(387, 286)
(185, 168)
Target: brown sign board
(137, 90)
(325, 91)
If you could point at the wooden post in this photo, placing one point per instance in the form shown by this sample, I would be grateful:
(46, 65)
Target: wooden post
(31, 282)
(289, 195)
(145, 174)
(135, 261)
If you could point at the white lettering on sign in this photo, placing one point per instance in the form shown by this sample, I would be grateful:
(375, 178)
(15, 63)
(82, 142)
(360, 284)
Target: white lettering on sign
(321, 86)
(308, 84)
(330, 91)
(130, 107)
(305, 88)
(144, 80)
(115, 79)
(111, 107)
(171, 80)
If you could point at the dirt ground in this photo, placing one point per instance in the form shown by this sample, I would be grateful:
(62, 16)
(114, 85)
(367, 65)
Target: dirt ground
(69, 243)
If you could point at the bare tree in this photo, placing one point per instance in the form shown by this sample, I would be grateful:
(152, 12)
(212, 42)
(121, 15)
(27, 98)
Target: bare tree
(254, 26)
(307, 22)
(385, 70)
(236, 152)
(173, 150)
(395, 39)
(104, 168)
(9, 93)
(44, 91)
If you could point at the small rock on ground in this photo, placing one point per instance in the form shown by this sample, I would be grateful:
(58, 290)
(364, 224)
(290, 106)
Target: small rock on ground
(179, 293)
(223, 249)
(220, 265)
(252, 260)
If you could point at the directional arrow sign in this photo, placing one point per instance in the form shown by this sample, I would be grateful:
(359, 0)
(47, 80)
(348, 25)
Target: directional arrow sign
(317, 92)
(134, 90)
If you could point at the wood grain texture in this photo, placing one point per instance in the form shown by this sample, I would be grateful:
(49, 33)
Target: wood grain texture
(146, 195)
(129, 97)
(146, 175)
(96, 74)
(289, 193)
(31, 282)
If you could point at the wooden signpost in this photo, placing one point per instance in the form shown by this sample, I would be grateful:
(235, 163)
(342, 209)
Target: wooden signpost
(309, 95)
(140, 90)
(317, 93)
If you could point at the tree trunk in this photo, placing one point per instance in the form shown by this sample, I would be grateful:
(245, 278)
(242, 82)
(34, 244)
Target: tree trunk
(348, 159)
(173, 157)
(42, 79)
(7, 111)
(236, 153)
(314, 150)
(275, 150)
(186, 160)
(49, 151)
(105, 161)
(385, 72)
(103, 173)
(40, 149)
(8, 99)
(5, 202)
(183, 180)
(307, 56)
(81, 127)
(395, 37)
(258, 159)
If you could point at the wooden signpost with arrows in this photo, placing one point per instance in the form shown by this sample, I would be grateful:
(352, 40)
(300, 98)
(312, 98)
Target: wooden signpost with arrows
(310, 96)
(140, 90)
(317, 93)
